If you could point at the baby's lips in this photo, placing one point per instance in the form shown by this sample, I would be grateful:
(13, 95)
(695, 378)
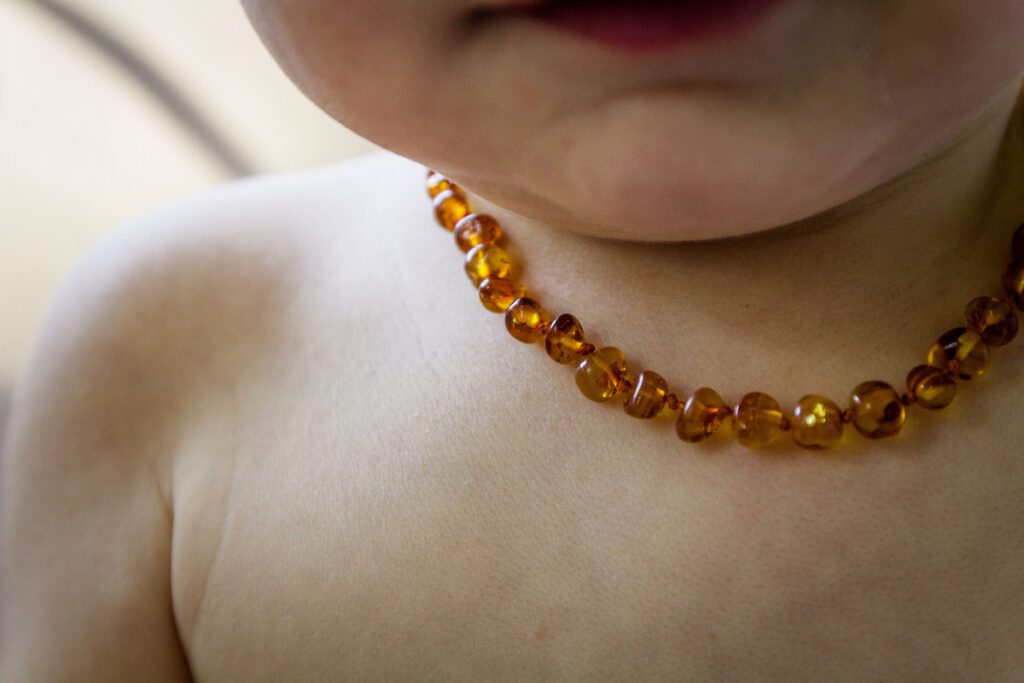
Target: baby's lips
(511, 4)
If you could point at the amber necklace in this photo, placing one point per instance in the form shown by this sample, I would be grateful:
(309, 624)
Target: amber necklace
(876, 409)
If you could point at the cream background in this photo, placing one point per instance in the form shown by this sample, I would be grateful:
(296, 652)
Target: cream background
(83, 148)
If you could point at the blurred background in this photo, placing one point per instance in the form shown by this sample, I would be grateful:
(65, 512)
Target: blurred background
(109, 107)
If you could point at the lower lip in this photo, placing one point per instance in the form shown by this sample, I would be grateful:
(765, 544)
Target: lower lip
(650, 25)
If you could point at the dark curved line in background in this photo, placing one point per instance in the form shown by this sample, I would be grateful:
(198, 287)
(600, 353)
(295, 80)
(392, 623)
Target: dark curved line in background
(155, 84)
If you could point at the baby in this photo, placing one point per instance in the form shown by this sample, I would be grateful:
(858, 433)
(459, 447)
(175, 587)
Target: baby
(269, 432)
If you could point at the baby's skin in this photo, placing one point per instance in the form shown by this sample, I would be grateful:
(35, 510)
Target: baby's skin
(269, 432)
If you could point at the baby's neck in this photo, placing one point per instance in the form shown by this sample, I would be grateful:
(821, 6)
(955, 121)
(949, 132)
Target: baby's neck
(852, 294)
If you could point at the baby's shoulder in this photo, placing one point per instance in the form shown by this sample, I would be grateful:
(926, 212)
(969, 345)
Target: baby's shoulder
(258, 222)
(255, 238)
(163, 326)
(196, 290)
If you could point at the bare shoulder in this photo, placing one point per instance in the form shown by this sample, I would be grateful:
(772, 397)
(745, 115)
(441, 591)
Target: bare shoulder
(243, 237)
(204, 283)
(156, 327)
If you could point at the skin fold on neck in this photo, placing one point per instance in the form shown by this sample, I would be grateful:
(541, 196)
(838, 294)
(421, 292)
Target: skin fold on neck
(855, 293)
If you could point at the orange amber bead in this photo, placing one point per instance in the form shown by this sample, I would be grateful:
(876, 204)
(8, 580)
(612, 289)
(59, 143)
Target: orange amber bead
(497, 294)
(702, 416)
(961, 352)
(437, 183)
(1013, 282)
(877, 410)
(993, 319)
(527, 320)
(1018, 243)
(599, 374)
(476, 229)
(647, 398)
(450, 207)
(487, 261)
(565, 340)
(757, 420)
(931, 387)
(817, 423)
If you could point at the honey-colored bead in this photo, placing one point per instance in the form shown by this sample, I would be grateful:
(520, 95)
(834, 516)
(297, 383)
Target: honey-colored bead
(647, 397)
(565, 340)
(476, 229)
(817, 423)
(702, 415)
(450, 207)
(526, 320)
(757, 420)
(487, 261)
(993, 319)
(1013, 282)
(437, 183)
(599, 374)
(961, 352)
(931, 387)
(1018, 243)
(877, 410)
(497, 294)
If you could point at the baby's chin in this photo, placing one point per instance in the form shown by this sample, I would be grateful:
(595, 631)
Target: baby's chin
(630, 219)
(682, 212)
(653, 188)
(697, 205)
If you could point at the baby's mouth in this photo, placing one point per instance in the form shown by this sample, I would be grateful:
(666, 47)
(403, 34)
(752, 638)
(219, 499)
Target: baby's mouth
(643, 25)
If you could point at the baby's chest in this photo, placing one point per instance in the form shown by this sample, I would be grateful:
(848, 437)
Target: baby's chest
(348, 555)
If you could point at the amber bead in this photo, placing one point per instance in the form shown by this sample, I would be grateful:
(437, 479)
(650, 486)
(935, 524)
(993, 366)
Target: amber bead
(647, 397)
(931, 387)
(1013, 282)
(702, 415)
(757, 420)
(450, 207)
(993, 319)
(497, 294)
(599, 374)
(437, 183)
(487, 261)
(527, 320)
(817, 422)
(1018, 243)
(877, 410)
(476, 229)
(565, 340)
(961, 352)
